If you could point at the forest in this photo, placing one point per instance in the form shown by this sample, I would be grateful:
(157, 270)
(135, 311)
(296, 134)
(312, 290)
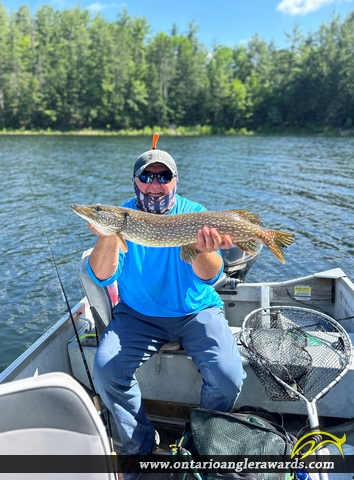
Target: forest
(68, 70)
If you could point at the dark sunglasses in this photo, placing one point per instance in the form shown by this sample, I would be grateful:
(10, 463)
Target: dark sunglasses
(162, 177)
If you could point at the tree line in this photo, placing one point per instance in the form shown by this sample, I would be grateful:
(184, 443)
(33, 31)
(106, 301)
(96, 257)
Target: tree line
(68, 70)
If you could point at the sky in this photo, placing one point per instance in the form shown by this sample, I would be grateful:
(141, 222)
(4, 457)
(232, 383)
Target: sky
(225, 22)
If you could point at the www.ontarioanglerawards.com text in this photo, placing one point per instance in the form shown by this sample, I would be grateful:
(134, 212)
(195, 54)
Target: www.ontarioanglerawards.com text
(232, 466)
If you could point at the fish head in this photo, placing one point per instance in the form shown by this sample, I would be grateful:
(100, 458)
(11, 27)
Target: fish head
(106, 219)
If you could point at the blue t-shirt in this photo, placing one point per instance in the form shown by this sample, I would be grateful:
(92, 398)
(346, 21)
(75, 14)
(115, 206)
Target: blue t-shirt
(156, 282)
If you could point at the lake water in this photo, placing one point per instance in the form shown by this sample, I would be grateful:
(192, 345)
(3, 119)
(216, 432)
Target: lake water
(303, 185)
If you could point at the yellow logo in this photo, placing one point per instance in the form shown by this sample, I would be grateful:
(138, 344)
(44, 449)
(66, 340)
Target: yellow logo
(315, 440)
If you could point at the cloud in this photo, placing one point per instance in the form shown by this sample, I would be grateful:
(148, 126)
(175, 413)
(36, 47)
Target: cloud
(301, 7)
(96, 7)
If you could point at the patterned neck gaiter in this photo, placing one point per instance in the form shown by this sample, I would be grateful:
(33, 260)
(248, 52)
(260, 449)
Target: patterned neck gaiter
(159, 205)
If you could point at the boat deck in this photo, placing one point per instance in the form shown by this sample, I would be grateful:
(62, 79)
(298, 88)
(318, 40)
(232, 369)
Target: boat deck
(169, 433)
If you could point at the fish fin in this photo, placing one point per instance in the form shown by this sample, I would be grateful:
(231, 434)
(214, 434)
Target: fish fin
(188, 253)
(278, 241)
(122, 244)
(251, 246)
(248, 215)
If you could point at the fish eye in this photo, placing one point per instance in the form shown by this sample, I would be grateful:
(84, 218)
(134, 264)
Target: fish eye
(98, 208)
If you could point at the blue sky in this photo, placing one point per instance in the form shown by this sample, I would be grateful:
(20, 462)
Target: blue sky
(227, 22)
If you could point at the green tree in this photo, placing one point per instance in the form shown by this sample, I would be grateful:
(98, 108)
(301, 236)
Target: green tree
(21, 84)
(227, 95)
(51, 69)
(68, 70)
(161, 57)
(4, 66)
(136, 97)
(345, 58)
(75, 54)
(189, 86)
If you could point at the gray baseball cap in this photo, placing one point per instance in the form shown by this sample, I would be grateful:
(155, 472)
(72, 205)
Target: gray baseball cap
(154, 156)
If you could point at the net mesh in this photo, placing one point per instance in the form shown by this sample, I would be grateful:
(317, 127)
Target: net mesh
(304, 348)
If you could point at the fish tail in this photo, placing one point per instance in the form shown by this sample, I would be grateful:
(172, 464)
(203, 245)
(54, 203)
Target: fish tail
(278, 241)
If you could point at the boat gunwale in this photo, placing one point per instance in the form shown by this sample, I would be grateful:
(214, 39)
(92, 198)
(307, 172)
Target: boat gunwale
(13, 371)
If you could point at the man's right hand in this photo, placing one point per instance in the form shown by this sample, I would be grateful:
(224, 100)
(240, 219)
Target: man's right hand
(96, 232)
(92, 228)
(105, 254)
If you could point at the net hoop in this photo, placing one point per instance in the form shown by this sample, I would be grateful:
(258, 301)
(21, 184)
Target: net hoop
(268, 324)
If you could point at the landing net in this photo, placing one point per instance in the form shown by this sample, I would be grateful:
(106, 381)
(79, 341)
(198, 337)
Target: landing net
(296, 353)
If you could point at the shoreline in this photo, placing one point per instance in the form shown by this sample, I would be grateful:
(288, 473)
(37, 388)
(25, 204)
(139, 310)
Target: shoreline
(186, 131)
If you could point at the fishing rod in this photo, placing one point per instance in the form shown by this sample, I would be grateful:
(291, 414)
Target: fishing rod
(104, 415)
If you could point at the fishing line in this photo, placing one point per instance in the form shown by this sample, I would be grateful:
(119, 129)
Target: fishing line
(96, 399)
(65, 298)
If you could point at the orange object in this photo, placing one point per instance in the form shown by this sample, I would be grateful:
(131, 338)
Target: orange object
(155, 139)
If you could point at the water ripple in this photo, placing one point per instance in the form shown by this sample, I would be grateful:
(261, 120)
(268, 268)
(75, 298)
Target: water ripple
(299, 184)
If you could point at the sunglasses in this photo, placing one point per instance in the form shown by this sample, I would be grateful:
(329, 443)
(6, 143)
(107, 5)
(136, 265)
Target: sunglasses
(162, 177)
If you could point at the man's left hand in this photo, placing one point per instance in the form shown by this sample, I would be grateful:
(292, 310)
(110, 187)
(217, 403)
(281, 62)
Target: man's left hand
(209, 240)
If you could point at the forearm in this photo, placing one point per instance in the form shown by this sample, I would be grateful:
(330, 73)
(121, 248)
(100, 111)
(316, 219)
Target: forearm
(104, 257)
(207, 265)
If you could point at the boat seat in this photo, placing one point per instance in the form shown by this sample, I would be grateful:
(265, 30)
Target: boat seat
(101, 299)
(51, 414)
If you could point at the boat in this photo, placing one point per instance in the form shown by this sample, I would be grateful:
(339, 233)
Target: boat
(167, 401)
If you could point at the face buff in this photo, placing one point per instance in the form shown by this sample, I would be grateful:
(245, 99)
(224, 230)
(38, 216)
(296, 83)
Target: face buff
(159, 205)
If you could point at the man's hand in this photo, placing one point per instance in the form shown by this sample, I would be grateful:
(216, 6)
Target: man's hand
(105, 254)
(96, 232)
(209, 240)
(93, 230)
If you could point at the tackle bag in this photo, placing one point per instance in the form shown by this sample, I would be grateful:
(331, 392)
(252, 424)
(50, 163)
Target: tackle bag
(215, 445)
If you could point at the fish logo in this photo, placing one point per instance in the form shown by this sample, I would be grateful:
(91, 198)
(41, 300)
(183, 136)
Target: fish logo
(313, 441)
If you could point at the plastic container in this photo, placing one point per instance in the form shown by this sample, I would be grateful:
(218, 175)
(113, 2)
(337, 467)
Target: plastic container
(302, 475)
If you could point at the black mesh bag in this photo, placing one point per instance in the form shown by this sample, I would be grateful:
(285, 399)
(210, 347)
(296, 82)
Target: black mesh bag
(218, 443)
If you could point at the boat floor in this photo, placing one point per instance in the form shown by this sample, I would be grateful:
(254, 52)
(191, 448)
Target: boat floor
(169, 433)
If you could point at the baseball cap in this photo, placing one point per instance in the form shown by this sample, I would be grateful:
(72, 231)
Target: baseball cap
(154, 156)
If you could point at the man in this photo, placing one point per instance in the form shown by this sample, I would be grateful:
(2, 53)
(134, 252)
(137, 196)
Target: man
(163, 299)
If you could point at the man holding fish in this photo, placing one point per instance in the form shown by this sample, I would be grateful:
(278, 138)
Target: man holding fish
(163, 298)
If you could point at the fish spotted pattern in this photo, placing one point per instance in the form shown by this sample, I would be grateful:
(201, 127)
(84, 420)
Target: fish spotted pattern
(181, 229)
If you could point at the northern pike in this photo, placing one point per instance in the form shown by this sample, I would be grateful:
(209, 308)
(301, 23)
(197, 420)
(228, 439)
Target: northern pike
(180, 230)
